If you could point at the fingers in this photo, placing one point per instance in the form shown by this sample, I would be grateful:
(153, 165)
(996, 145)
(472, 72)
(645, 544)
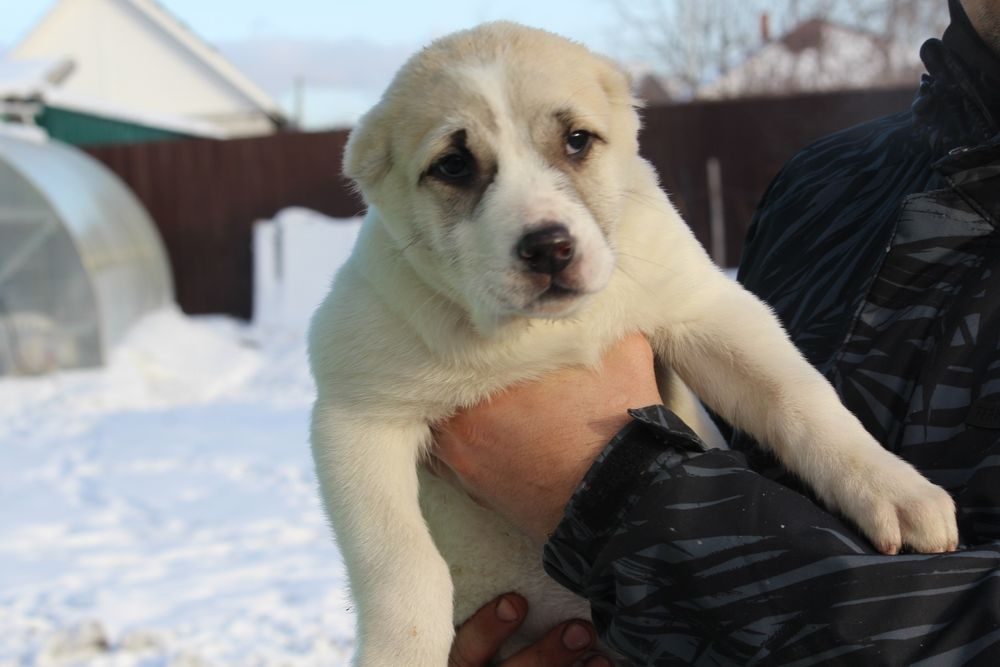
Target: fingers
(480, 637)
(563, 646)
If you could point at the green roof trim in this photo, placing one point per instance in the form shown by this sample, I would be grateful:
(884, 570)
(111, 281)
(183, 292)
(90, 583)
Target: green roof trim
(82, 129)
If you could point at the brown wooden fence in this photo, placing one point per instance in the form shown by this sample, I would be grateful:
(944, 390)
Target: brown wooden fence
(751, 138)
(206, 195)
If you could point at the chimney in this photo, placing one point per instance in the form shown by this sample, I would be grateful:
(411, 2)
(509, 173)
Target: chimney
(765, 28)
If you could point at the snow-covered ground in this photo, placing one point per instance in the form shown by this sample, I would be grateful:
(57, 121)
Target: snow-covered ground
(163, 510)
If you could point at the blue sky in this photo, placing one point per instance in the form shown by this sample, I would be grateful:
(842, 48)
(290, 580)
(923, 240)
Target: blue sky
(385, 22)
(345, 51)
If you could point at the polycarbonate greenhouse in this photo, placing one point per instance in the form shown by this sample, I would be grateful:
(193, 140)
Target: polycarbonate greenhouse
(80, 259)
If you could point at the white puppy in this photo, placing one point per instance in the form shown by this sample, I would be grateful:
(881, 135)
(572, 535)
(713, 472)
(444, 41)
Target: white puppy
(513, 229)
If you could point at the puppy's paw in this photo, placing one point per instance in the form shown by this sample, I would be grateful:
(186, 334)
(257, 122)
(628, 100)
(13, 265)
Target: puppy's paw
(896, 506)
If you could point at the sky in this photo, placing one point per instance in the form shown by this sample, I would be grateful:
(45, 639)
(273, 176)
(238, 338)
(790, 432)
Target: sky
(344, 51)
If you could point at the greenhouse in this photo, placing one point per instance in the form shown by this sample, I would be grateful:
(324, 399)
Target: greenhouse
(80, 259)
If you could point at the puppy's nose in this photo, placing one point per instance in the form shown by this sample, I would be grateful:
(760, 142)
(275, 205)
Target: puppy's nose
(547, 250)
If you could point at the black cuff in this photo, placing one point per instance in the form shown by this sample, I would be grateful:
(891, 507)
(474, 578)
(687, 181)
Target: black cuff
(655, 439)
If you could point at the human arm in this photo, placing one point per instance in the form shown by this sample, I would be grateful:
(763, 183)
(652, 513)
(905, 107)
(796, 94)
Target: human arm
(688, 555)
(525, 451)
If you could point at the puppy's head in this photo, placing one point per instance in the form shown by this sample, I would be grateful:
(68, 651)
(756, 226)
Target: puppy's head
(497, 159)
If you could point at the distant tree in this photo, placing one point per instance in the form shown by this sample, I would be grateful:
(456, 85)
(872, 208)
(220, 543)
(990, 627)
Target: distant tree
(691, 42)
(906, 21)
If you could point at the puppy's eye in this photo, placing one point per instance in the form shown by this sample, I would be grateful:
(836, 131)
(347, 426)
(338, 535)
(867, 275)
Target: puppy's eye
(454, 166)
(578, 143)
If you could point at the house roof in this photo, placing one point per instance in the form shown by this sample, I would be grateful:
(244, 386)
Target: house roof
(208, 55)
(819, 55)
(652, 90)
(36, 82)
(23, 79)
(158, 39)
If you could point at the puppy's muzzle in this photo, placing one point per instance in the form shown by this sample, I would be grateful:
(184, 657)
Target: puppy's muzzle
(548, 250)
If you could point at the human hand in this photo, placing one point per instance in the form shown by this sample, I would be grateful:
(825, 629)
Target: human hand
(524, 452)
(479, 638)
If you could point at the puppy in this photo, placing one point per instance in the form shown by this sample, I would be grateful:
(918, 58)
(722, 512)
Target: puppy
(513, 229)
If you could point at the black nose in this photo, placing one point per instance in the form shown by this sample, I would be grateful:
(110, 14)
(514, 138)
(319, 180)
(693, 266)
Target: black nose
(547, 250)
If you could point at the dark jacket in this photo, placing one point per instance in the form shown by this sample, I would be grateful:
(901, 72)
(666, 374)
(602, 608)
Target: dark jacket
(879, 248)
(689, 557)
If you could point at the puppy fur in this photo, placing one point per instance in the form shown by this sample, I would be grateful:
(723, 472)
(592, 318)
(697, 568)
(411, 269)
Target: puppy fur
(435, 311)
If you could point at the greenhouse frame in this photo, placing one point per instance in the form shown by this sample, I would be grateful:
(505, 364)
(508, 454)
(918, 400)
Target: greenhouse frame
(80, 258)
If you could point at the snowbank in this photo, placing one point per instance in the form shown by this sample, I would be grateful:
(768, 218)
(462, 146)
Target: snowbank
(163, 510)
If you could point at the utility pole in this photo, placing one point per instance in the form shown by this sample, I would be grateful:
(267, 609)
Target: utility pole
(299, 108)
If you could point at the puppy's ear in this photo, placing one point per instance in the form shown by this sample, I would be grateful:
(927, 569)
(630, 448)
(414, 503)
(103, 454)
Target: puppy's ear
(367, 157)
(617, 83)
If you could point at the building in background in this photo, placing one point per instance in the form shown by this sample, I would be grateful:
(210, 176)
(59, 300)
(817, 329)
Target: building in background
(651, 88)
(818, 56)
(30, 94)
(129, 71)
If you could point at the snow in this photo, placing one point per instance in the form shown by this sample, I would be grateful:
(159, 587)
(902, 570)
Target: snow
(164, 511)
(295, 258)
(39, 80)
(29, 77)
(23, 132)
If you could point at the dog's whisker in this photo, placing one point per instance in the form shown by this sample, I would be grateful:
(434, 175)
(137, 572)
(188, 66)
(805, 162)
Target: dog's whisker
(635, 280)
(655, 203)
(642, 259)
(397, 253)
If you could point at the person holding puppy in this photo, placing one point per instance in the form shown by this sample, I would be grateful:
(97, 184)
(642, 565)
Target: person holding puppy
(879, 249)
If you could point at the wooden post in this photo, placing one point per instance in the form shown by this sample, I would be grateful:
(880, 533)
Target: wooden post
(716, 214)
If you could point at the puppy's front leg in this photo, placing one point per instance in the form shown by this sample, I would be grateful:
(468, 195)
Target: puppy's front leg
(731, 350)
(399, 582)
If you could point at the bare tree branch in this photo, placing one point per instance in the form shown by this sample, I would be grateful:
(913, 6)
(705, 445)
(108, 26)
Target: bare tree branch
(694, 41)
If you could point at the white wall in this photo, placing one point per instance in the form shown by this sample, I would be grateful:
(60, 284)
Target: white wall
(295, 258)
(123, 58)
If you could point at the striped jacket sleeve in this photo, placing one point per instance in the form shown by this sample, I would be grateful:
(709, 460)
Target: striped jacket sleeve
(688, 557)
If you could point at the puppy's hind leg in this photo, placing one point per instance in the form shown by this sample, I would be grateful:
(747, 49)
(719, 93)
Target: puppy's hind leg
(399, 582)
